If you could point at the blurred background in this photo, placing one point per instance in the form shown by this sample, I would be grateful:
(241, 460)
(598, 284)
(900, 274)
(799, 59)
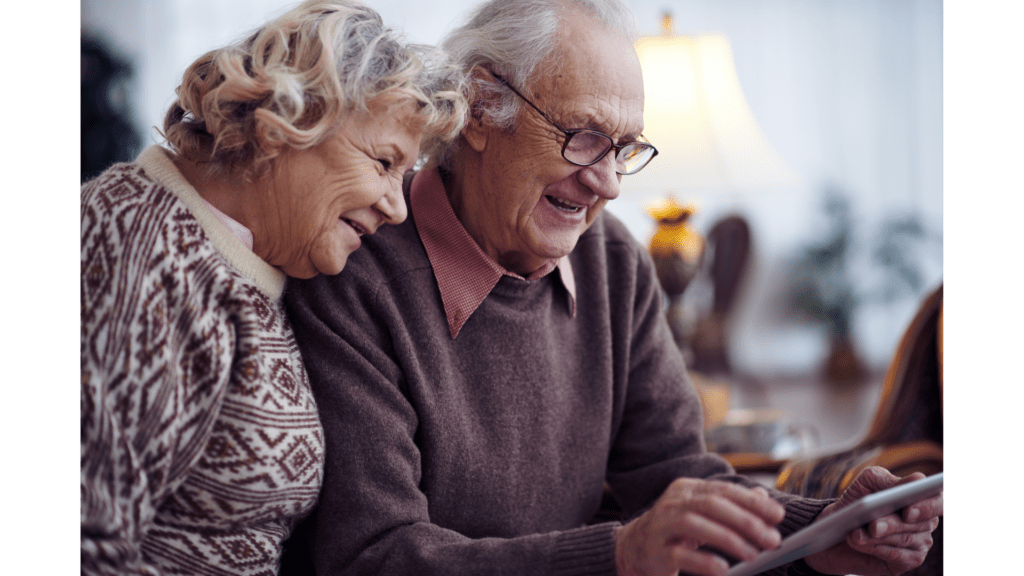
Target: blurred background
(847, 93)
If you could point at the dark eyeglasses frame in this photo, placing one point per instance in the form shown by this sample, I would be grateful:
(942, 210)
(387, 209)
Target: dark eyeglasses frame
(570, 133)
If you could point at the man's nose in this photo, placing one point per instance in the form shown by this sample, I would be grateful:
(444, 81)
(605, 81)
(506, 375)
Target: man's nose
(601, 177)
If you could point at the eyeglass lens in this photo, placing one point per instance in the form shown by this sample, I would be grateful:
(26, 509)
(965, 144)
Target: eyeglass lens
(586, 147)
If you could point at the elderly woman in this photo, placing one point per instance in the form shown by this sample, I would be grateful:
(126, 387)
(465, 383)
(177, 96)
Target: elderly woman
(201, 445)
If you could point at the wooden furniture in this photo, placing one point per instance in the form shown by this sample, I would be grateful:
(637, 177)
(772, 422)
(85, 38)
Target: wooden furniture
(906, 433)
(729, 246)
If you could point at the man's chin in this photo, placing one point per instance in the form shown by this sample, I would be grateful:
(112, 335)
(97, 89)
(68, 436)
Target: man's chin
(553, 252)
(561, 244)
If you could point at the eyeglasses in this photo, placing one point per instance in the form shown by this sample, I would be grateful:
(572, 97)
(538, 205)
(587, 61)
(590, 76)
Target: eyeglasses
(588, 147)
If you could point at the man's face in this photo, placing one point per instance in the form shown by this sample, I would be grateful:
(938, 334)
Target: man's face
(532, 205)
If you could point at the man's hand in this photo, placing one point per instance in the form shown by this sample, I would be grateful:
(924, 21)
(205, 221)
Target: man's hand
(892, 544)
(692, 514)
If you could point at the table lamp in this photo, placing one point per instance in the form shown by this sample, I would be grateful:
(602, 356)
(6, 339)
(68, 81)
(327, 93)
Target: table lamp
(708, 142)
(697, 116)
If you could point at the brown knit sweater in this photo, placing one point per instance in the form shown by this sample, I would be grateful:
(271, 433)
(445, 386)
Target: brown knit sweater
(487, 453)
(201, 445)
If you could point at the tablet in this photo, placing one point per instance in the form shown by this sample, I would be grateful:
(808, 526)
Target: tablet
(820, 535)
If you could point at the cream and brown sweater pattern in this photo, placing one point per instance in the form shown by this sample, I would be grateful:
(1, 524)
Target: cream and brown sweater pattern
(201, 444)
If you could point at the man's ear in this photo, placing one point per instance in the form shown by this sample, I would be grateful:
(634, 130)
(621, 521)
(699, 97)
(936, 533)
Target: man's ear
(477, 130)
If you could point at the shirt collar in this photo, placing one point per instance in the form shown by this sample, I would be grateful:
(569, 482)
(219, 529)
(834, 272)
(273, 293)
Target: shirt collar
(241, 232)
(465, 274)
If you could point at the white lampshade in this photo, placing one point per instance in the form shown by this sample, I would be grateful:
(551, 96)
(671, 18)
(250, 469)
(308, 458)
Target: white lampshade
(696, 115)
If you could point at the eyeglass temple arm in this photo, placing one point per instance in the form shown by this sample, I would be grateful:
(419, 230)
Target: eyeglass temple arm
(525, 99)
(616, 147)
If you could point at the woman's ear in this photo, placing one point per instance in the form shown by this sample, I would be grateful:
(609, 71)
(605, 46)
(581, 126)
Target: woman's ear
(478, 129)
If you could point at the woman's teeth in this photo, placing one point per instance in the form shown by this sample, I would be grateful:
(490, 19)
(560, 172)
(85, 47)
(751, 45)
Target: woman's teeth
(565, 204)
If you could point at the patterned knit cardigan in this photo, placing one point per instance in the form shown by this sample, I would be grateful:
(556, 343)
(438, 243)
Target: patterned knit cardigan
(201, 445)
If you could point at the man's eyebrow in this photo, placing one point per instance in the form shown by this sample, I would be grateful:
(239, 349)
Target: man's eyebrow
(575, 122)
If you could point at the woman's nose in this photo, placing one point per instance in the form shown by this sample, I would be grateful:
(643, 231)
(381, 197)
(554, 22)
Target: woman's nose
(392, 205)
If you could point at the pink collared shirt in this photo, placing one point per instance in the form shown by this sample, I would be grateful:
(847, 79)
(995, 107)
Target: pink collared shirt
(465, 274)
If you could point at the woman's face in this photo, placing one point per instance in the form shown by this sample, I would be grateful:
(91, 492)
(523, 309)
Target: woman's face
(318, 202)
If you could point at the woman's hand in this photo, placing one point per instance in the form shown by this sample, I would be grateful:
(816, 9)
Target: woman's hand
(890, 545)
(692, 514)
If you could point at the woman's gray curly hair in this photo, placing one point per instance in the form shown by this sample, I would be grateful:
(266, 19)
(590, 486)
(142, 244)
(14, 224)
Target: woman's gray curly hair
(293, 81)
(513, 38)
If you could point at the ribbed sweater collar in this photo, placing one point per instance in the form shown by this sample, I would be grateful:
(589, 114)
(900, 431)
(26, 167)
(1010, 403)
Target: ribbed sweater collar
(158, 166)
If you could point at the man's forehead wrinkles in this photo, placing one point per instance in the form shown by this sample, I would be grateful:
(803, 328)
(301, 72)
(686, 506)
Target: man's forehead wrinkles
(612, 117)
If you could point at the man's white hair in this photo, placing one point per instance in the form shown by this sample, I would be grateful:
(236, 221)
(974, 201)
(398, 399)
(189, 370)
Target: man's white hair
(512, 38)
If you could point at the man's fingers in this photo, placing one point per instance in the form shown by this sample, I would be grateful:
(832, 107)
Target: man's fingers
(894, 524)
(699, 526)
(902, 548)
(905, 528)
(719, 538)
(701, 562)
(910, 539)
(892, 544)
(755, 500)
(924, 510)
(742, 517)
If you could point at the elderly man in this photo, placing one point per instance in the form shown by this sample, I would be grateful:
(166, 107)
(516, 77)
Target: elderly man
(484, 369)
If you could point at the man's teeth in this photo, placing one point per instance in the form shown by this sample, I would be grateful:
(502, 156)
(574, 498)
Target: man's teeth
(359, 229)
(565, 204)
